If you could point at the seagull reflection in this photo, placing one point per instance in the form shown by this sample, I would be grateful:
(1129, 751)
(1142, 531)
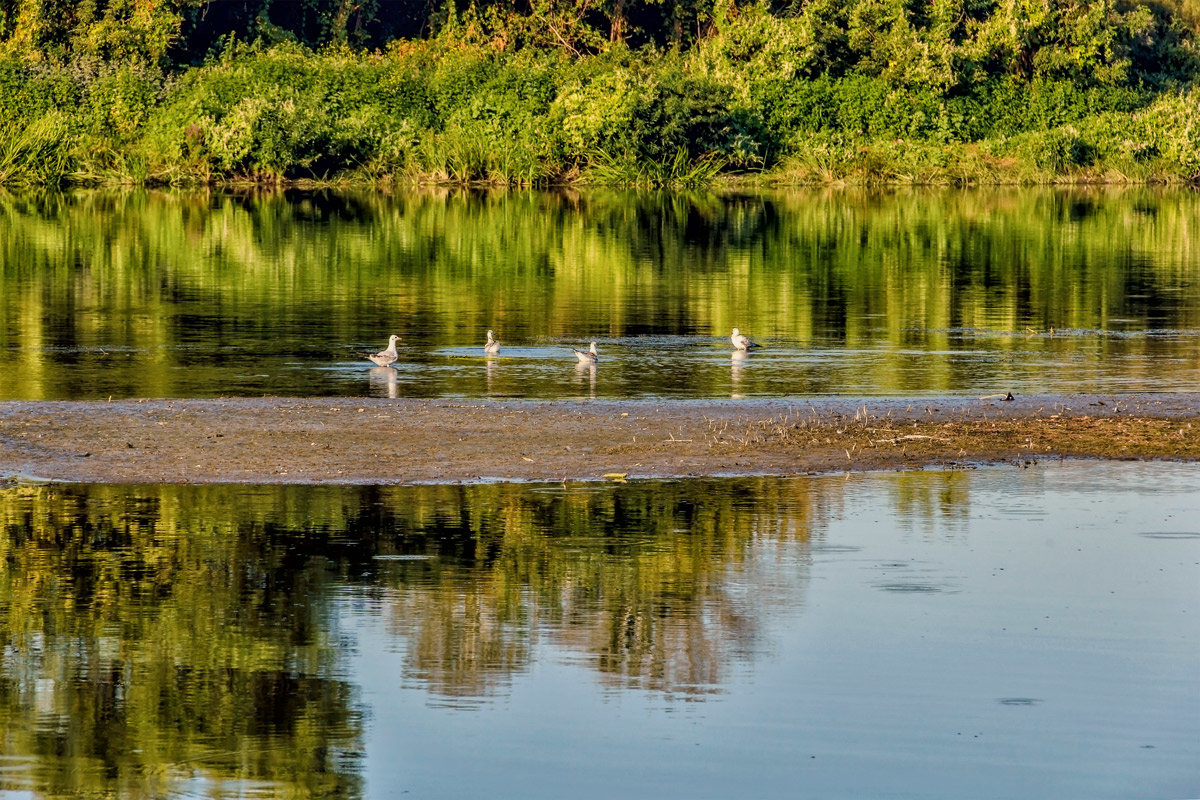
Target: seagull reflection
(737, 362)
(384, 381)
(587, 368)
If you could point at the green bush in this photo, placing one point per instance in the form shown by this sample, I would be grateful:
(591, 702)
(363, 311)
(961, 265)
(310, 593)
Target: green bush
(1060, 150)
(402, 94)
(698, 117)
(274, 114)
(651, 118)
(823, 89)
(121, 101)
(798, 107)
(455, 80)
(30, 91)
(511, 98)
(1168, 133)
(1010, 106)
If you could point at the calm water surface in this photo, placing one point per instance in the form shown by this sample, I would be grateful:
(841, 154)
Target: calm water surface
(901, 293)
(998, 633)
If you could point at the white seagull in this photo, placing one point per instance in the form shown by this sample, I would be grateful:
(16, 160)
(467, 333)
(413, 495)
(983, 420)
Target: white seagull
(385, 357)
(741, 342)
(493, 346)
(588, 356)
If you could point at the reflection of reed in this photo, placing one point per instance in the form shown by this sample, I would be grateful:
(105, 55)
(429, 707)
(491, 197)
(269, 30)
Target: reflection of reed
(936, 500)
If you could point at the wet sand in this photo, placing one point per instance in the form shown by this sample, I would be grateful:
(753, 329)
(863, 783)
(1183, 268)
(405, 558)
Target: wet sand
(373, 441)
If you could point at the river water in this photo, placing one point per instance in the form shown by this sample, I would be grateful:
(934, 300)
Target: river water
(910, 293)
(992, 633)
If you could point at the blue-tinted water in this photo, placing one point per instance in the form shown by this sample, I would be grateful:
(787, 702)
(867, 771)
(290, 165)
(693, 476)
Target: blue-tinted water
(998, 633)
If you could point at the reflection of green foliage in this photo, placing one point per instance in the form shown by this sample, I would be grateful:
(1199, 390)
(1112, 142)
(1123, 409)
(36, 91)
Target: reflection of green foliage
(128, 281)
(204, 617)
(623, 574)
(165, 627)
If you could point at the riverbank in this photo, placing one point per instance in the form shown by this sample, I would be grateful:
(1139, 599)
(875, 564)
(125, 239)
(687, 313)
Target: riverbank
(372, 441)
(463, 113)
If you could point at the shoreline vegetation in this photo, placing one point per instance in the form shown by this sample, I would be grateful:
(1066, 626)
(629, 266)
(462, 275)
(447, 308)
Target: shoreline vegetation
(560, 92)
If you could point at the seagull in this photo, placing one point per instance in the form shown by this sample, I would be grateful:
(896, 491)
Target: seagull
(385, 357)
(741, 342)
(587, 357)
(492, 347)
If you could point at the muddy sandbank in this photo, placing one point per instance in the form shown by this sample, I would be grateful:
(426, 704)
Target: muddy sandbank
(376, 441)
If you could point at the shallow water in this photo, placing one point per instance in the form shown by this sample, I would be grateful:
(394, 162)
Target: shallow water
(909, 293)
(996, 633)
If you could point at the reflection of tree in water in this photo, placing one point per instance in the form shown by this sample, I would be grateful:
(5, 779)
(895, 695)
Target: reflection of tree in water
(156, 636)
(647, 581)
(151, 638)
(198, 276)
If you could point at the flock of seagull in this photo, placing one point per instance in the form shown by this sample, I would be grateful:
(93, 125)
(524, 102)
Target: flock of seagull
(388, 356)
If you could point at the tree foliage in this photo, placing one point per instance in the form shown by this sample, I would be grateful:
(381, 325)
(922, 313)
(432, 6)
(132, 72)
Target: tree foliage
(927, 43)
(546, 90)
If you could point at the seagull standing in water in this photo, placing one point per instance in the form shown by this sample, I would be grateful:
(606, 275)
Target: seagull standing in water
(385, 357)
(588, 356)
(493, 346)
(741, 342)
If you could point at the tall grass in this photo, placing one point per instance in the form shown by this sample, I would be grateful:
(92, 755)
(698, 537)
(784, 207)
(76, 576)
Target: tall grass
(682, 171)
(36, 153)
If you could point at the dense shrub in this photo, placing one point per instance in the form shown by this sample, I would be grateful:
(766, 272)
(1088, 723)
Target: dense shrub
(120, 102)
(866, 90)
(30, 91)
(643, 116)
